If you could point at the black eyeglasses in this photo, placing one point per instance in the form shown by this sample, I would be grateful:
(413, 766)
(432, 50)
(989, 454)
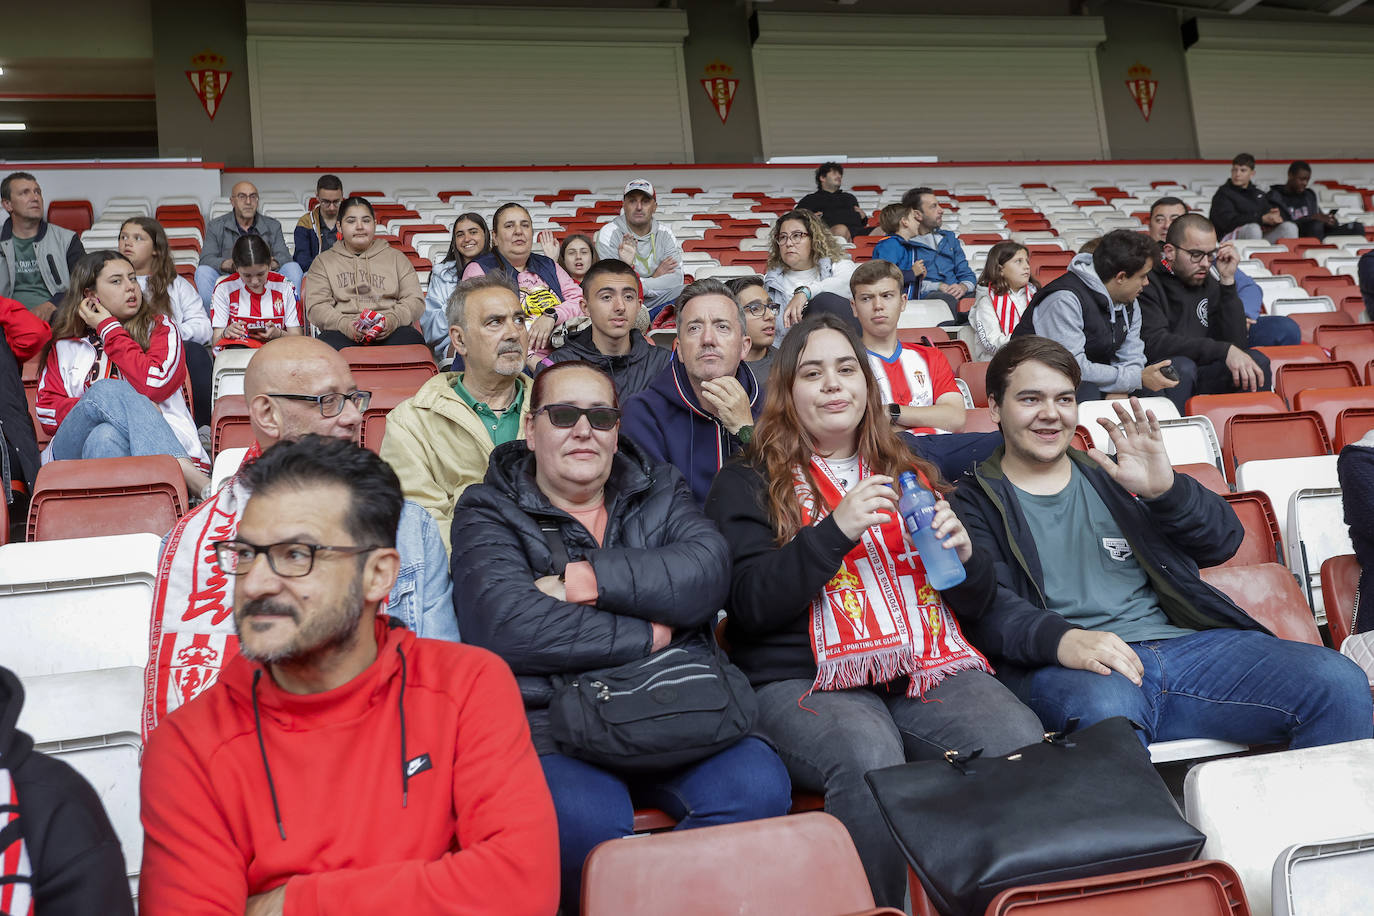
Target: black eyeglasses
(795, 238)
(332, 404)
(288, 558)
(565, 416)
(760, 307)
(1195, 254)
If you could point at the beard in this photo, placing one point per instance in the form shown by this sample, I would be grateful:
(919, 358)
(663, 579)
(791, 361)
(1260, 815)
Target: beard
(323, 632)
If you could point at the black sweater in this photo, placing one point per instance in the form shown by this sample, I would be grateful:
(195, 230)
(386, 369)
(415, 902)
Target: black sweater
(1199, 322)
(771, 587)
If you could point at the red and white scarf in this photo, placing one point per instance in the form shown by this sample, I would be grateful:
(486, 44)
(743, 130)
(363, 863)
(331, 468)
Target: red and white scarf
(1008, 309)
(16, 869)
(191, 636)
(877, 619)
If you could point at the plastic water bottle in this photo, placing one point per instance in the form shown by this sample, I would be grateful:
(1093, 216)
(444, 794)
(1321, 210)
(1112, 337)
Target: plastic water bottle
(917, 506)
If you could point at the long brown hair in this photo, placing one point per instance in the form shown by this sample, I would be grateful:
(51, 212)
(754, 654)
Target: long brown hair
(997, 256)
(67, 322)
(162, 272)
(781, 444)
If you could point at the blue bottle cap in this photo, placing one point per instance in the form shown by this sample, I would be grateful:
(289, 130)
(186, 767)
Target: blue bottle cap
(907, 479)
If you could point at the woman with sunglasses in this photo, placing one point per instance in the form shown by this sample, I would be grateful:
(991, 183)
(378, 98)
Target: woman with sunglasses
(857, 661)
(642, 564)
(760, 325)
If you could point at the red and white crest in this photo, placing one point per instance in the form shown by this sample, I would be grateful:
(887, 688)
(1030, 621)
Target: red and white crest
(720, 87)
(209, 79)
(1142, 88)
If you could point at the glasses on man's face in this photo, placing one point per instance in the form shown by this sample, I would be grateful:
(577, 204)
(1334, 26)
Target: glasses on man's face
(793, 238)
(245, 197)
(332, 404)
(759, 307)
(1195, 255)
(565, 416)
(289, 559)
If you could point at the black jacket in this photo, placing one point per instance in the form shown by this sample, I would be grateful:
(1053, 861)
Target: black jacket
(1294, 206)
(76, 862)
(1172, 536)
(1233, 207)
(661, 561)
(771, 587)
(631, 373)
(1199, 322)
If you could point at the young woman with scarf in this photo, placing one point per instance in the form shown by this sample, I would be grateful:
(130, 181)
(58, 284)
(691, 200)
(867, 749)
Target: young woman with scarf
(1004, 291)
(857, 661)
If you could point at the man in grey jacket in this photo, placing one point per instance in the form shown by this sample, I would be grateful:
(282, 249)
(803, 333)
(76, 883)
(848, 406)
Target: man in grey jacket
(223, 231)
(1092, 311)
(36, 257)
(635, 238)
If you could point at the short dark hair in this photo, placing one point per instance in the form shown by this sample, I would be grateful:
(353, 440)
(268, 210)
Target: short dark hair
(1123, 251)
(541, 381)
(374, 507)
(707, 286)
(328, 183)
(1168, 202)
(737, 285)
(14, 176)
(355, 200)
(1024, 349)
(872, 272)
(826, 168)
(1244, 159)
(1297, 166)
(249, 250)
(912, 198)
(606, 266)
(1179, 228)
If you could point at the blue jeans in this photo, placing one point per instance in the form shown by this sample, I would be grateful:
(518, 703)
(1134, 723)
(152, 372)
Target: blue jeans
(207, 277)
(744, 782)
(1235, 685)
(830, 739)
(1274, 331)
(112, 420)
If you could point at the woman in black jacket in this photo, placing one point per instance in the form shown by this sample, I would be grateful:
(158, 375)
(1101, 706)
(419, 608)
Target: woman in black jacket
(642, 563)
(857, 661)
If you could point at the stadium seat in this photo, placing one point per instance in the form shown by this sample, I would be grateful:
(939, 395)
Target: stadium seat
(1357, 352)
(1209, 475)
(1221, 407)
(1208, 888)
(926, 336)
(1309, 323)
(1316, 532)
(1263, 541)
(1351, 425)
(1340, 584)
(924, 313)
(955, 352)
(106, 496)
(229, 425)
(975, 375)
(1290, 379)
(803, 865)
(1294, 434)
(1335, 333)
(1295, 353)
(374, 418)
(75, 215)
(230, 365)
(1191, 440)
(1267, 593)
(1090, 411)
(407, 367)
(227, 463)
(1280, 478)
(1252, 808)
(1329, 402)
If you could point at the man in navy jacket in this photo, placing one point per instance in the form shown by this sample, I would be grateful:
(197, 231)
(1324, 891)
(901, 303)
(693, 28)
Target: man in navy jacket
(1100, 609)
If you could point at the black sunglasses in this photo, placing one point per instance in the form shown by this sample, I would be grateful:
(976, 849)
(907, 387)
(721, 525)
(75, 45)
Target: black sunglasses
(565, 416)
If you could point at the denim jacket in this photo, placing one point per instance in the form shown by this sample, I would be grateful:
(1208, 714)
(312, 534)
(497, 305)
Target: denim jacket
(423, 594)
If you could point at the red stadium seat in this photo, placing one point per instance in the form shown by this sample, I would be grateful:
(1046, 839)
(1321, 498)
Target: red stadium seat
(374, 418)
(1296, 353)
(1351, 425)
(1250, 437)
(1263, 542)
(1082, 439)
(975, 376)
(1352, 304)
(1358, 352)
(1290, 379)
(1221, 407)
(229, 424)
(100, 496)
(1205, 888)
(1268, 593)
(1340, 582)
(1309, 323)
(1329, 402)
(76, 215)
(1306, 241)
(935, 336)
(1205, 474)
(955, 351)
(407, 367)
(1331, 334)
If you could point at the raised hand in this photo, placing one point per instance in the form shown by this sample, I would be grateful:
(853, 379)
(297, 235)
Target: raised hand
(548, 244)
(1142, 464)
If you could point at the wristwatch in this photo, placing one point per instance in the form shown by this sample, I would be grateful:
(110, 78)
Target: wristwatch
(895, 412)
(804, 290)
(745, 434)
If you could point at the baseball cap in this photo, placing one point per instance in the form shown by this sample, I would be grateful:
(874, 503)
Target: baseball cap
(639, 184)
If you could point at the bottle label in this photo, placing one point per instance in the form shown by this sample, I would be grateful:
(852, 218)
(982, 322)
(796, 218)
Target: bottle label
(921, 516)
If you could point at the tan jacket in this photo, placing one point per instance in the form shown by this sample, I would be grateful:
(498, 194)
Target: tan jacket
(438, 446)
(341, 284)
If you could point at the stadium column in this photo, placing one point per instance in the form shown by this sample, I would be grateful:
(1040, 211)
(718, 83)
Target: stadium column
(1142, 72)
(200, 75)
(721, 98)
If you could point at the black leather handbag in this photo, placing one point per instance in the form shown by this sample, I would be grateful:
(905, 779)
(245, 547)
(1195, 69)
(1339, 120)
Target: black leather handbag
(669, 709)
(1076, 805)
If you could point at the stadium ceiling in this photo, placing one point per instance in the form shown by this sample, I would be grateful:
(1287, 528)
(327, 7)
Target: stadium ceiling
(1242, 7)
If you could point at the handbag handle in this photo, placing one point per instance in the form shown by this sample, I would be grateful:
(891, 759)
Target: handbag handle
(553, 536)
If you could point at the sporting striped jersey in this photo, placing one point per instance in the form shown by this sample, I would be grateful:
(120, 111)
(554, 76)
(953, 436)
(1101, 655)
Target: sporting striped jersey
(275, 306)
(914, 376)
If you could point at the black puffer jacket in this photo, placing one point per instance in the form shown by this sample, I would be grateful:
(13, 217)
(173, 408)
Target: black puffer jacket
(631, 373)
(661, 561)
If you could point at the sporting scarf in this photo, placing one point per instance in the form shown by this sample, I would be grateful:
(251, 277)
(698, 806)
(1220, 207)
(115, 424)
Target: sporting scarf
(877, 619)
(187, 650)
(16, 871)
(1007, 309)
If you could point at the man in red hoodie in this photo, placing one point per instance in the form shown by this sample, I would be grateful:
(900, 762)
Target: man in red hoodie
(340, 764)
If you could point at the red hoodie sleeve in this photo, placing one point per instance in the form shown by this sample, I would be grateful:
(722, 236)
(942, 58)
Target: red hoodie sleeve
(155, 373)
(507, 831)
(54, 401)
(25, 332)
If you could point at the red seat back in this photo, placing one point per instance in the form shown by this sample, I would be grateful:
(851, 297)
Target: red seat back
(975, 376)
(1268, 593)
(229, 425)
(1351, 425)
(1263, 542)
(1205, 474)
(1290, 379)
(76, 215)
(100, 496)
(1329, 402)
(404, 367)
(1297, 434)
(374, 418)
(1340, 582)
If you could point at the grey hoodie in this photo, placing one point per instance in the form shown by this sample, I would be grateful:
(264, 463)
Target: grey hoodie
(1060, 318)
(650, 251)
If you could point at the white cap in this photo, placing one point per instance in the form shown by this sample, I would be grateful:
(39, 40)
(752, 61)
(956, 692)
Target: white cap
(639, 184)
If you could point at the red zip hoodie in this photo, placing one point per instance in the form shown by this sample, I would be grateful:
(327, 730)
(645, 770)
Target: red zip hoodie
(413, 788)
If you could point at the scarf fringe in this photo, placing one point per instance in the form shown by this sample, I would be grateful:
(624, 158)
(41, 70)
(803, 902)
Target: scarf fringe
(885, 666)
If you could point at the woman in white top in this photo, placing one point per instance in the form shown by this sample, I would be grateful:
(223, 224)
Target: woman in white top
(805, 261)
(1004, 291)
(144, 242)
